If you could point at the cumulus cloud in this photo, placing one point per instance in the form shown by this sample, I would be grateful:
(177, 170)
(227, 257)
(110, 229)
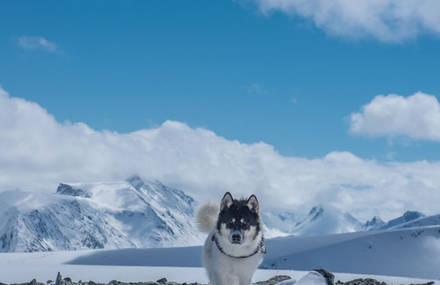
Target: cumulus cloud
(416, 116)
(36, 43)
(385, 20)
(37, 152)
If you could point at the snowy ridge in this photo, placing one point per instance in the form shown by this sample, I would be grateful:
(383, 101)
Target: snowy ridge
(373, 224)
(408, 216)
(132, 213)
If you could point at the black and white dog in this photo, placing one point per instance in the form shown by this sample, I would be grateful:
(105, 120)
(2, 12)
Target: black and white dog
(235, 244)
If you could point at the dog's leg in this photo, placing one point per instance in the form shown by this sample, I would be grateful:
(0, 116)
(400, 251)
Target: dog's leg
(245, 280)
(232, 280)
(222, 279)
(216, 279)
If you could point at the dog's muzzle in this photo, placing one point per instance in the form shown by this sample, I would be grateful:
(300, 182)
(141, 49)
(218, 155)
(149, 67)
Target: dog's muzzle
(236, 237)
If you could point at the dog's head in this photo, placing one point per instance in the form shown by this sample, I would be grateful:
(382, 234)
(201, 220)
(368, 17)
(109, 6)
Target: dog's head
(239, 220)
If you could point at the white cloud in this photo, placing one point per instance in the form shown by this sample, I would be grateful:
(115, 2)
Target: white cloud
(416, 116)
(386, 20)
(37, 152)
(36, 43)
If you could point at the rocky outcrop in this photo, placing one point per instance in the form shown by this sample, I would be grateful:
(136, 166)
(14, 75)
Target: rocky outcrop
(278, 279)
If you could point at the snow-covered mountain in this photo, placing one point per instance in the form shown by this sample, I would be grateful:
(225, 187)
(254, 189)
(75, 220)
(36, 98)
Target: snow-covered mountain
(322, 220)
(374, 224)
(140, 213)
(319, 220)
(420, 222)
(408, 216)
(131, 213)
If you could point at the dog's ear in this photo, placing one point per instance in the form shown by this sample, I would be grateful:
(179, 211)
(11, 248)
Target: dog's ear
(252, 203)
(226, 201)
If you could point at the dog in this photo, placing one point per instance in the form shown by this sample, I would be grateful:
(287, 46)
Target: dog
(235, 245)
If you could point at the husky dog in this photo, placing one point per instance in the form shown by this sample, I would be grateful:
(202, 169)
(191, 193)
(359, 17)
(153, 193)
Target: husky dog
(235, 244)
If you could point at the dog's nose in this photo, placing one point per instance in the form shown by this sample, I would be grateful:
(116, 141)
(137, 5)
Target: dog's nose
(236, 237)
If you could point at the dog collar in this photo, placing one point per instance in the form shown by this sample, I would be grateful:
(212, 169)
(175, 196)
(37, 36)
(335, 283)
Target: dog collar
(260, 249)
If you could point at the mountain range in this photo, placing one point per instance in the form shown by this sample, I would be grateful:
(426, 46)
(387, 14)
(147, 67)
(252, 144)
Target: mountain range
(131, 213)
(322, 220)
(138, 213)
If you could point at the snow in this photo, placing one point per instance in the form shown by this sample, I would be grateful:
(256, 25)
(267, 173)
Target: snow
(413, 253)
(23, 267)
(404, 252)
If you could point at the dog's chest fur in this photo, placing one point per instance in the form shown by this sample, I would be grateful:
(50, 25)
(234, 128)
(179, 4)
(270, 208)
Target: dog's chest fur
(235, 270)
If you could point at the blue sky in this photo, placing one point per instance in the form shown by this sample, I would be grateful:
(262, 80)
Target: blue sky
(184, 91)
(222, 65)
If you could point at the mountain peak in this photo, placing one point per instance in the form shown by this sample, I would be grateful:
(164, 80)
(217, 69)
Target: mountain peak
(135, 181)
(412, 215)
(375, 223)
(66, 189)
(406, 217)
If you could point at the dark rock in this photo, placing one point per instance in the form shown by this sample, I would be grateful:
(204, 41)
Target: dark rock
(162, 281)
(366, 281)
(370, 281)
(59, 280)
(65, 189)
(329, 277)
(274, 280)
(68, 281)
(115, 282)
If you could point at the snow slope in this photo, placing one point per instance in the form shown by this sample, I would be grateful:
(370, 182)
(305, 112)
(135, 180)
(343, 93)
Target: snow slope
(413, 252)
(404, 252)
(23, 267)
(132, 213)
